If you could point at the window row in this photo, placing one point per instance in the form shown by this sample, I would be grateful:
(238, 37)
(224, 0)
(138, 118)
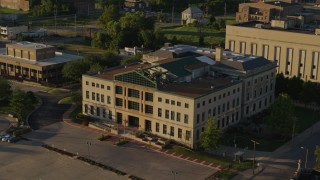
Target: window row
(97, 111)
(173, 102)
(97, 85)
(135, 93)
(214, 99)
(98, 97)
(172, 115)
(171, 132)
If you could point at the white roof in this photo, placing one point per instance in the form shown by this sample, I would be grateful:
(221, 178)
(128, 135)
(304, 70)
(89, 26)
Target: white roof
(192, 10)
(206, 59)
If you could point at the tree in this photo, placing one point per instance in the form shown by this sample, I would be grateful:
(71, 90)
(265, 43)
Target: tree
(5, 91)
(134, 59)
(281, 118)
(22, 103)
(295, 86)
(111, 13)
(209, 138)
(317, 154)
(74, 69)
(281, 84)
(308, 93)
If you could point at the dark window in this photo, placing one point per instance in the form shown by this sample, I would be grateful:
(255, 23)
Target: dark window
(133, 105)
(102, 97)
(167, 114)
(87, 94)
(159, 112)
(157, 127)
(87, 83)
(167, 101)
(93, 96)
(186, 119)
(173, 102)
(198, 105)
(102, 86)
(186, 105)
(164, 129)
(119, 102)
(108, 88)
(171, 131)
(149, 96)
(159, 99)
(188, 134)
(98, 111)
(172, 115)
(178, 103)
(98, 97)
(198, 118)
(119, 90)
(148, 109)
(133, 93)
(179, 133)
(203, 116)
(178, 116)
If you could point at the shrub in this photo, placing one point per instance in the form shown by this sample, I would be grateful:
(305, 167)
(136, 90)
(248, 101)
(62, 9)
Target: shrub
(103, 137)
(121, 142)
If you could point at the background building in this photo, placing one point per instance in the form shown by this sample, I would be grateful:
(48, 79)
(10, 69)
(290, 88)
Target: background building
(191, 15)
(172, 98)
(267, 11)
(296, 51)
(16, 4)
(12, 32)
(33, 61)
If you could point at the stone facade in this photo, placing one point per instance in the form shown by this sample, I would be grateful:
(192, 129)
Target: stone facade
(15, 4)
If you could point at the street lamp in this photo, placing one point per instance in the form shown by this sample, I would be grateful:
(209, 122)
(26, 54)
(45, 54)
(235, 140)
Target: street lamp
(254, 153)
(307, 151)
(89, 144)
(174, 174)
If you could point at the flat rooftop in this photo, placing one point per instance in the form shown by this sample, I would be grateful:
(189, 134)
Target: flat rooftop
(199, 87)
(58, 59)
(30, 45)
(252, 24)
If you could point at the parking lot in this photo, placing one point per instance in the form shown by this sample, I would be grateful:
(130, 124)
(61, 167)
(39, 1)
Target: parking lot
(130, 158)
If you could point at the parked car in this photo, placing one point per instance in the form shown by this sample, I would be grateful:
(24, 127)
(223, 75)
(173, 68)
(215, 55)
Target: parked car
(5, 137)
(13, 139)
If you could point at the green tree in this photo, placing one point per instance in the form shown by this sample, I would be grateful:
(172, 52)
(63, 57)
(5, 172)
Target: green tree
(281, 118)
(22, 103)
(74, 69)
(308, 93)
(5, 91)
(317, 154)
(295, 86)
(209, 138)
(281, 84)
(111, 13)
(133, 59)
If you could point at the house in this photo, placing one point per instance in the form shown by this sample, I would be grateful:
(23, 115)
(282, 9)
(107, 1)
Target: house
(11, 32)
(191, 14)
(134, 5)
(16, 4)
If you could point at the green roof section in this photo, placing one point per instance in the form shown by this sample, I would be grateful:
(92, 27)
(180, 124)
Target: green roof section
(178, 67)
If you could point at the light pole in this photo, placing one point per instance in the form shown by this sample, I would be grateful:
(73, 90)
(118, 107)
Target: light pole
(254, 153)
(174, 174)
(307, 151)
(89, 144)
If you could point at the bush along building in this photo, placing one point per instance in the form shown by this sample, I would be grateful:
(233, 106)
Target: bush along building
(175, 89)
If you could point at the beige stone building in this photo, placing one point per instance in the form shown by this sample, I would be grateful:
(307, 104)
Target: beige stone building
(297, 52)
(266, 11)
(191, 15)
(172, 98)
(33, 61)
(16, 4)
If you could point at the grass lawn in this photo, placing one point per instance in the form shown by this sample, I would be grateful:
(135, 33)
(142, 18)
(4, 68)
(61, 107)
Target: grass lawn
(305, 119)
(189, 35)
(11, 11)
(223, 161)
(73, 115)
(55, 91)
(83, 47)
(66, 100)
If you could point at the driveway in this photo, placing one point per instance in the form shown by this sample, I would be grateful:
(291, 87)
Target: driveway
(130, 158)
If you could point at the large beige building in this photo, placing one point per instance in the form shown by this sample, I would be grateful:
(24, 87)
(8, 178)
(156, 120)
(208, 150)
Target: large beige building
(33, 61)
(172, 98)
(296, 51)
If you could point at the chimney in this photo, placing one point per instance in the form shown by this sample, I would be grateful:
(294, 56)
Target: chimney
(219, 53)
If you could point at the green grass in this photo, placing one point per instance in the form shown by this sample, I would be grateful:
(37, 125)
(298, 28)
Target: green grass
(224, 175)
(189, 35)
(55, 91)
(84, 48)
(11, 11)
(66, 100)
(74, 114)
(223, 161)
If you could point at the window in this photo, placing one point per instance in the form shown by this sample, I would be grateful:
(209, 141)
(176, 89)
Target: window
(178, 103)
(119, 90)
(108, 99)
(238, 101)
(159, 99)
(93, 96)
(149, 109)
(179, 133)
(209, 100)
(224, 95)
(133, 93)
(87, 94)
(164, 129)
(247, 110)
(198, 118)
(119, 102)
(86, 108)
(198, 105)
(119, 118)
(87, 82)
(214, 111)
(186, 119)
(178, 116)
(173, 102)
(157, 127)
(167, 114)
(203, 116)
(133, 105)
(102, 86)
(171, 131)
(188, 135)
(167, 101)
(149, 96)
(172, 115)
(98, 111)
(102, 97)
(214, 99)
(93, 84)
(197, 134)
(108, 88)
(159, 112)
(98, 97)
(104, 113)
(203, 103)
(186, 105)
(97, 85)
(92, 110)
(110, 114)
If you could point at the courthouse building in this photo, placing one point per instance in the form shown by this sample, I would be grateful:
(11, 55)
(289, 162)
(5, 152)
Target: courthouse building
(173, 97)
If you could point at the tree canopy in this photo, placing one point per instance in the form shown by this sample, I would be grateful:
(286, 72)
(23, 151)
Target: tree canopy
(5, 91)
(209, 138)
(281, 118)
(47, 7)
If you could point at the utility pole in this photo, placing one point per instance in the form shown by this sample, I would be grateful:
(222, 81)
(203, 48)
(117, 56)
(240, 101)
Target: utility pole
(254, 154)
(172, 11)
